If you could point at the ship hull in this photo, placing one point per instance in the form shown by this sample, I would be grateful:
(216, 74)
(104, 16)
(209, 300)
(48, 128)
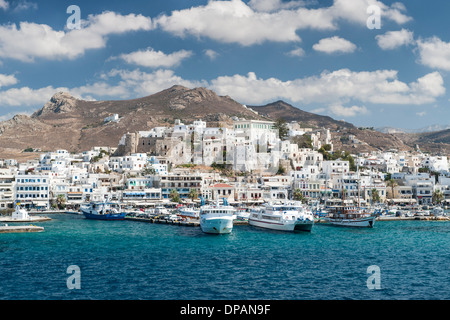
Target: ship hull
(216, 225)
(290, 227)
(367, 222)
(109, 216)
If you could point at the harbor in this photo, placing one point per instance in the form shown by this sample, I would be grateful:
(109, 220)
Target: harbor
(7, 219)
(164, 221)
(146, 260)
(20, 229)
(22, 215)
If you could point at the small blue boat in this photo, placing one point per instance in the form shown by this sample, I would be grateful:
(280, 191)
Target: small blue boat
(102, 211)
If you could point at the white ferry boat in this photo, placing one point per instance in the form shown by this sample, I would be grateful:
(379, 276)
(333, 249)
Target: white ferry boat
(188, 212)
(216, 218)
(438, 211)
(287, 216)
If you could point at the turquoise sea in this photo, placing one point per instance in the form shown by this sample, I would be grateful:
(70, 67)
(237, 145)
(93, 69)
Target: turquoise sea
(127, 260)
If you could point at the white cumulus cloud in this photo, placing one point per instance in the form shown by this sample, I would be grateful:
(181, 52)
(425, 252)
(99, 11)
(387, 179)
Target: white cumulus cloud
(274, 5)
(7, 80)
(434, 53)
(297, 52)
(337, 87)
(139, 83)
(345, 92)
(260, 21)
(211, 54)
(352, 111)
(29, 41)
(4, 5)
(394, 39)
(156, 59)
(334, 44)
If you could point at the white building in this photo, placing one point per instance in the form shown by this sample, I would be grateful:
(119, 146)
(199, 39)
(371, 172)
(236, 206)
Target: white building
(7, 186)
(32, 191)
(134, 162)
(112, 118)
(335, 168)
(435, 163)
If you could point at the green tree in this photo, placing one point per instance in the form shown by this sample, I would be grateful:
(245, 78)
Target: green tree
(391, 183)
(61, 201)
(303, 141)
(437, 197)
(297, 195)
(375, 196)
(174, 195)
(325, 153)
(348, 157)
(281, 170)
(282, 128)
(193, 194)
(148, 171)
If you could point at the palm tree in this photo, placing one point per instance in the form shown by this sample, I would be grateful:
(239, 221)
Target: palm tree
(174, 195)
(437, 197)
(193, 194)
(392, 184)
(298, 195)
(61, 201)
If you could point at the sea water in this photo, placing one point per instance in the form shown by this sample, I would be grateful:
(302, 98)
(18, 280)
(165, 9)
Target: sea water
(123, 260)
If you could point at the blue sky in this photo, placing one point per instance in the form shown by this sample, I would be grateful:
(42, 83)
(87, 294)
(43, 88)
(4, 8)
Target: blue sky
(320, 56)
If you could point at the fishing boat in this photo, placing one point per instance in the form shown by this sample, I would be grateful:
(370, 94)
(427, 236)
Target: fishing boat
(347, 215)
(217, 218)
(103, 211)
(287, 216)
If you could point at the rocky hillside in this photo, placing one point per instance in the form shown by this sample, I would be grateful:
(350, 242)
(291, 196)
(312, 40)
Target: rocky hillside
(345, 135)
(437, 142)
(281, 109)
(77, 125)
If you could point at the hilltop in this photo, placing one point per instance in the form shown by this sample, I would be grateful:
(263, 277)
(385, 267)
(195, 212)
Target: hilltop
(364, 140)
(77, 125)
(281, 109)
(436, 142)
(66, 122)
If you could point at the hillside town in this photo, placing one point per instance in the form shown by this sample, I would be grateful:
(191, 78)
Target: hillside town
(249, 162)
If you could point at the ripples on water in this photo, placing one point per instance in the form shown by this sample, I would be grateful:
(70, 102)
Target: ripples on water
(132, 260)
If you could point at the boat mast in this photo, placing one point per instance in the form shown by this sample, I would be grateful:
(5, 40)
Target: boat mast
(357, 180)
(343, 194)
